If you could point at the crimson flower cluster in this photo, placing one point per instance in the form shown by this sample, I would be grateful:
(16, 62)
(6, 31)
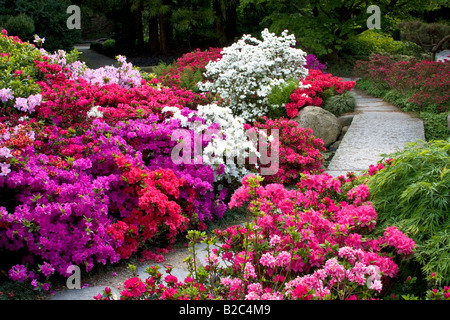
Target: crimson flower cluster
(425, 83)
(316, 83)
(299, 151)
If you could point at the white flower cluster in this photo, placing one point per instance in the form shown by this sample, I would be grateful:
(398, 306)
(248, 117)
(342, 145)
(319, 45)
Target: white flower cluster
(95, 113)
(229, 146)
(250, 68)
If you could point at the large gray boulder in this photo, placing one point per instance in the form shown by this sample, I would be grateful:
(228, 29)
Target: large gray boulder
(323, 123)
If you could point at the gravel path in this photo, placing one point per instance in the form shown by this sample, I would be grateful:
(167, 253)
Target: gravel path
(377, 128)
(94, 59)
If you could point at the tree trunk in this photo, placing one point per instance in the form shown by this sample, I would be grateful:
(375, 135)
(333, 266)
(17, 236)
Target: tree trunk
(438, 46)
(219, 21)
(139, 27)
(163, 37)
(153, 34)
(333, 55)
(231, 21)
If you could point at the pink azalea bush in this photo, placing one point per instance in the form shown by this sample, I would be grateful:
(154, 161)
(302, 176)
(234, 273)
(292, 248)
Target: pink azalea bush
(312, 242)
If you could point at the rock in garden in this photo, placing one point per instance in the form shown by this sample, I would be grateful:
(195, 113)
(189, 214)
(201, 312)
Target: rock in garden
(343, 132)
(346, 120)
(335, 145)
(323, 123)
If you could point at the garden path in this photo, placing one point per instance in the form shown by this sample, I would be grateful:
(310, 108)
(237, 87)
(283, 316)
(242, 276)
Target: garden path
(377, 128)
(94, 59)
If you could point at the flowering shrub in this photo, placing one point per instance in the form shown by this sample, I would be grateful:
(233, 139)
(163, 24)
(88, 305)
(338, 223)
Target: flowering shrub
(187, 70)
(19, 76)
(230, 145)
(299, 151)
(424, 84)
(250, 68)
(85, 167)
(308, 243)
(313, 63)
(315, 87)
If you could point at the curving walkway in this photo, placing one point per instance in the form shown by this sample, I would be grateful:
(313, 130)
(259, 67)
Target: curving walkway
(377, 128)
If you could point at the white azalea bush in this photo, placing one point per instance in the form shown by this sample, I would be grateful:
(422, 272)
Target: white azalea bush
(250, 68)
(229, 145)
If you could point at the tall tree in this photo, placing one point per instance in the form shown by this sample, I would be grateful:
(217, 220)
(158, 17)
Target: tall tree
(226, 18)
(323, 26)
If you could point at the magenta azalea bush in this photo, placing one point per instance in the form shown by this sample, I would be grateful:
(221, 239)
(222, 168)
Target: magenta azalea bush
(312, 242)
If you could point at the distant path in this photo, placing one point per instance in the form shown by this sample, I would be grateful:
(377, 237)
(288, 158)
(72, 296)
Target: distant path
(377, 128)
(94, 59)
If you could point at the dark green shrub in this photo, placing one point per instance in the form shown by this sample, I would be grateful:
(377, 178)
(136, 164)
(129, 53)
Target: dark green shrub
(50, 21)
(426, 35)
(109, 44)
(21, 25)
(341, 103)
(435, 125)
(413, 194)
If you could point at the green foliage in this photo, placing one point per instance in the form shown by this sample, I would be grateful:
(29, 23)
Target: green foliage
(435, 254)
(413, 193)
(189, 78)
(371, 87)
(373, 41)
(341, 103)
(109, 44)
(21, 25)
(21, 57)
(279, 96)
(50, 21)
(323, 27)
(436, 127)
(426, 35)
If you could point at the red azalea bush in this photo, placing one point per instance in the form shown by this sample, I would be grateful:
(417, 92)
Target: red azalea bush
(424, 83)
(312, 242)
(157, 213)
(299, 151)
(189, 64)
(317, 82)
(67, 102)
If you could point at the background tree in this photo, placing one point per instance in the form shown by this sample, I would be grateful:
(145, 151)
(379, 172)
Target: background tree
(322, 27)
(49, 17)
